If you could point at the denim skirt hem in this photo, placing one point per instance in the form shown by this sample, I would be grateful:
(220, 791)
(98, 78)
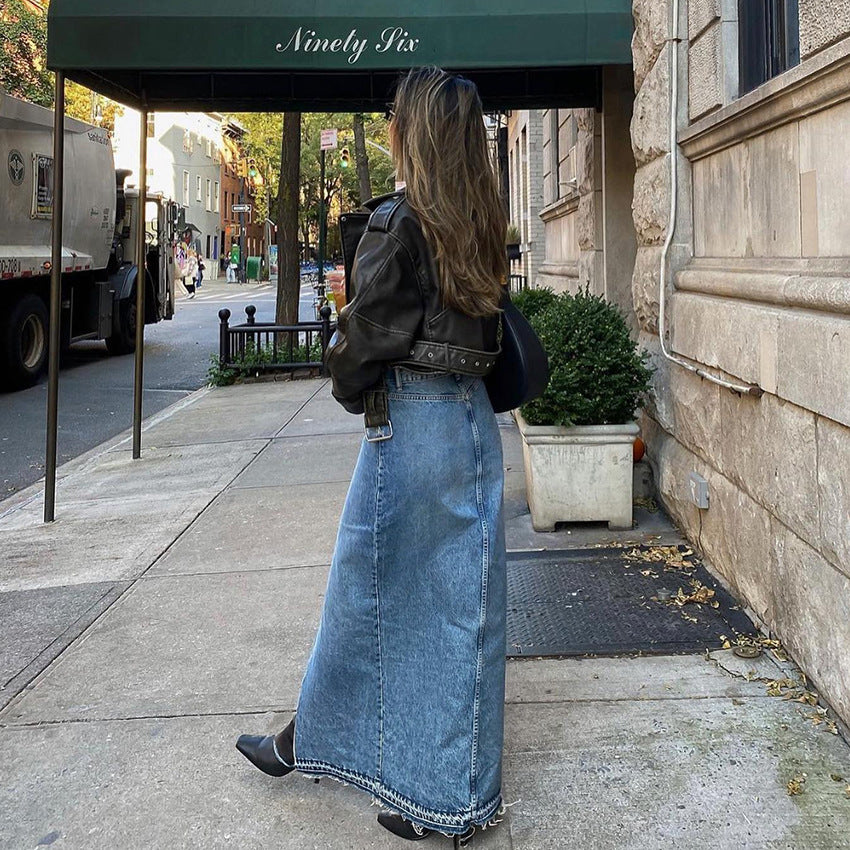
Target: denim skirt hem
(448, 823)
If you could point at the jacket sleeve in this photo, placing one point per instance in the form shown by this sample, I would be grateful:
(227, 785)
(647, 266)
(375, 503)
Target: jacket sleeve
(381, 321)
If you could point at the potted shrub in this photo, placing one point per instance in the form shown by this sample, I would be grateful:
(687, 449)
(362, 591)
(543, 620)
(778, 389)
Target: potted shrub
(578, 437)
(512, 240)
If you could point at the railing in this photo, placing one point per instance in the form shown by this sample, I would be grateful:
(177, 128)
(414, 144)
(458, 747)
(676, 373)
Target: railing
(265, 346)
(518, 282)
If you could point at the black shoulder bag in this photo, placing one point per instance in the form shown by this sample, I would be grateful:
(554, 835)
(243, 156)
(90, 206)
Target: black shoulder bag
(521, 372)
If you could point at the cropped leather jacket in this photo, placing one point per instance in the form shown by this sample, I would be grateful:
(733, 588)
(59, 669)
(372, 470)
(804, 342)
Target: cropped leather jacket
(396, 316)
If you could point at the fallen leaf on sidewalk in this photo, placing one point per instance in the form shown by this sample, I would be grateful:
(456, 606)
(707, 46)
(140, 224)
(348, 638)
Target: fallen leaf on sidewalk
(795, 785)
(670, 556)
(701, 595)
(836, 777)
(779, 687)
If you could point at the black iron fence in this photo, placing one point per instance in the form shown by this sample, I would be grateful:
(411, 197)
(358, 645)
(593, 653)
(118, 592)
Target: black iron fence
(518, 282)
(265, 346)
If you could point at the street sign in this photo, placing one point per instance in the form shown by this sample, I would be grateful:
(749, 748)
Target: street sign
(243, 208)
(329, 140)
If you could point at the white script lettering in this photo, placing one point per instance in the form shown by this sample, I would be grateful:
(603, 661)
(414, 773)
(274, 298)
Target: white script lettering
(305, 40)
(398, 39)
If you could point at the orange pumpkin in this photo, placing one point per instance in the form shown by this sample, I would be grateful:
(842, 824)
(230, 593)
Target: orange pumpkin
(639, 449)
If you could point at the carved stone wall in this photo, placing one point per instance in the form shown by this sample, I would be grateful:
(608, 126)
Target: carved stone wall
(757, 292)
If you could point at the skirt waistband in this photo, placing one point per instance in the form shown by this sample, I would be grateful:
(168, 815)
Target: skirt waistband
(401, 380)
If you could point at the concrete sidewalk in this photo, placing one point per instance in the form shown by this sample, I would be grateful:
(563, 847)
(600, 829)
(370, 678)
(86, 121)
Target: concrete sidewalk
(173, 605)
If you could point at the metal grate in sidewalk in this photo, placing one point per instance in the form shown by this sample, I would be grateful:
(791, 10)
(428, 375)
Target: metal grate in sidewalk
(616, 601)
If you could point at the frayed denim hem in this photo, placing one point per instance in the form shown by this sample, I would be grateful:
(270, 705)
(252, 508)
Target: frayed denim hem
(448, 823)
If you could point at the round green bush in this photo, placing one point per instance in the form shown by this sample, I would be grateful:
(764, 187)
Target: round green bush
(596, 374)
(530, 302)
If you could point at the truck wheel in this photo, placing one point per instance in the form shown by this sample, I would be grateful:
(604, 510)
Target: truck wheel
(24, 342)
(124, 342)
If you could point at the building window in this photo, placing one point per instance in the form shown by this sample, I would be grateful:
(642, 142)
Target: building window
(188, 147)
(216, 198)
(185, 188)
(199, 189)
(768, 40)
(554, 154)
(209, 253)
(151, 125)
(209, 195)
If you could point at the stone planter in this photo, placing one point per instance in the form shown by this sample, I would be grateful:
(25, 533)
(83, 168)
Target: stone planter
(579, 474)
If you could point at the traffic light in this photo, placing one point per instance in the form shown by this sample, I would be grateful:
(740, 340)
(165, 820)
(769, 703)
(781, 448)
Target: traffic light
(252, 167)
(345, 157)
(242, 167)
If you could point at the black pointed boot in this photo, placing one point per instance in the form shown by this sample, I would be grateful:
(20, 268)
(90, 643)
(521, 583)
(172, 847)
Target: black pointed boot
(403, 828)
(273, 754)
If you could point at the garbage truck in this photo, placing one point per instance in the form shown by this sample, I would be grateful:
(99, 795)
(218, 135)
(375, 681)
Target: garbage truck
(99, 277)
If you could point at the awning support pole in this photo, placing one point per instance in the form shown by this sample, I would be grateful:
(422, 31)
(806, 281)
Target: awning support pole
(141, 281)
(55, 299)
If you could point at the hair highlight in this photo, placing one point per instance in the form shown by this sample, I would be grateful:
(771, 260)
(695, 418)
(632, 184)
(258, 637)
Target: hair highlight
(441, 153)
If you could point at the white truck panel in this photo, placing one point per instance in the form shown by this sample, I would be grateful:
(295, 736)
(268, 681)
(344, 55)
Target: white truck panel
(26, 192)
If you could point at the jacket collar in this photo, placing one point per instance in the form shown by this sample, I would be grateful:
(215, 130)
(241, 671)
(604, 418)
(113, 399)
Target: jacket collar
(373, 203)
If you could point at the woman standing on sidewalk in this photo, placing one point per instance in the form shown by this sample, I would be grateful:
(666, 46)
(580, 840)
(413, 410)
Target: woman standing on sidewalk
(404, 691)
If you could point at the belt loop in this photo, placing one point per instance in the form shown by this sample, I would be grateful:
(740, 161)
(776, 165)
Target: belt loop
(397, 370)
(376, 415)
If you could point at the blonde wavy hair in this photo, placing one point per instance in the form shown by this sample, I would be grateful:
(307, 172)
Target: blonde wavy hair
(441, 152)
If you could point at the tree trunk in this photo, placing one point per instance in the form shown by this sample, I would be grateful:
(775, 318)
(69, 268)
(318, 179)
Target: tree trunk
(288, 267)
(362, 159)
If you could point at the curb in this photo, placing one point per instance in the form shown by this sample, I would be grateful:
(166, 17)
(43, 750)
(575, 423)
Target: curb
(25, 497)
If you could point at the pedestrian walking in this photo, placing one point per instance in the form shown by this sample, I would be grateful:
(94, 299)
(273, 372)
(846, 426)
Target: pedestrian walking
(201, 268)
(190, 273)
(403, 695)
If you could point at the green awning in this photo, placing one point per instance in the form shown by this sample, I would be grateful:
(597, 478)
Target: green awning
(326, 54)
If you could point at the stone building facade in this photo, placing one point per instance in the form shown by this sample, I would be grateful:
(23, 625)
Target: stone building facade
(757, 290)
(759, 293)
(184, 164)
(525, 167)
(585, 174)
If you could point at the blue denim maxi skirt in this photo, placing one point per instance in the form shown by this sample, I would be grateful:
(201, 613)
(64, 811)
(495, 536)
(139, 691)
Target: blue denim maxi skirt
(403, 695)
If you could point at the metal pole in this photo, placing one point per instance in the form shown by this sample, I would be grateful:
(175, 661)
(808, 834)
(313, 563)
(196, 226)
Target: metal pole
(141, 281)
(224, 338)
(55, 299)
(322, 224)
(242, 264)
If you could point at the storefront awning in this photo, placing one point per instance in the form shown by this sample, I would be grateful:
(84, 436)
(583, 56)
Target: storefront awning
(329, 55)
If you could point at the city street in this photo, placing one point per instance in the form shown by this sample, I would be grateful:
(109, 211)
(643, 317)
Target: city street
(96, 389)
(607, 608)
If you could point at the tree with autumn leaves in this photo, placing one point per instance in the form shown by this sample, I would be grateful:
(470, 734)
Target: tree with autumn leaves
(23, 48)
(286, 149)
(23, 66)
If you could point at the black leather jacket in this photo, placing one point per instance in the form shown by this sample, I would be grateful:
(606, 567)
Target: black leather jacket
(396, 316)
